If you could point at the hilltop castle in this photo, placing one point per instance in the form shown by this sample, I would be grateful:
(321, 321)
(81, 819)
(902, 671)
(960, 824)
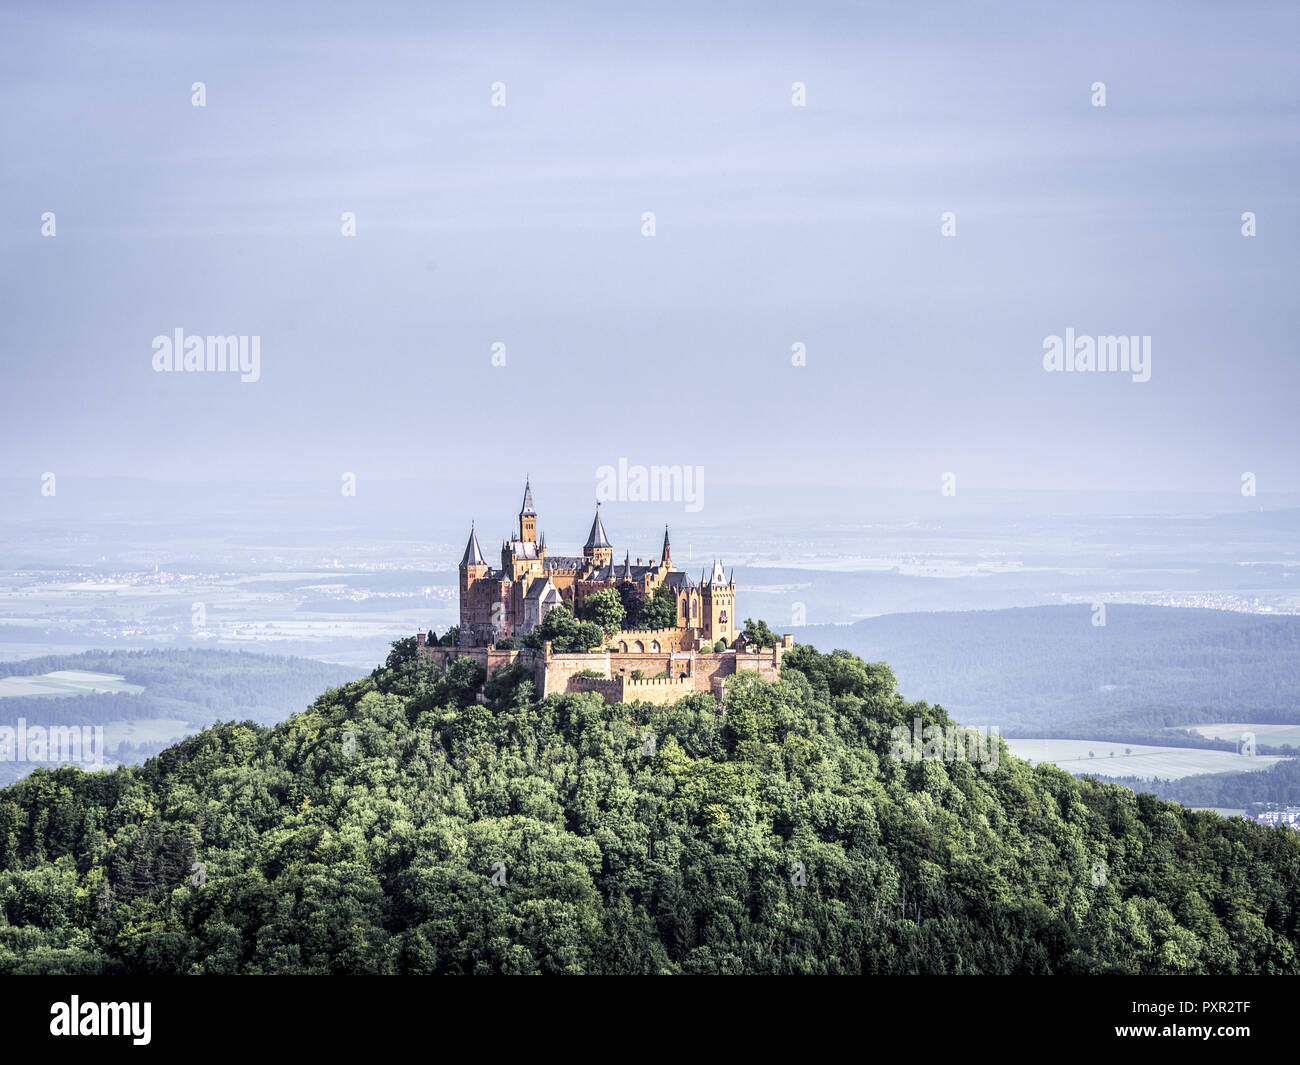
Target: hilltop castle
(512, 600)
(657, 665)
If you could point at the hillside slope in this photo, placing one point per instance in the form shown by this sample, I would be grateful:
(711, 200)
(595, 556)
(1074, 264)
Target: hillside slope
(399, 826)
(185, 690)
(1048, 670)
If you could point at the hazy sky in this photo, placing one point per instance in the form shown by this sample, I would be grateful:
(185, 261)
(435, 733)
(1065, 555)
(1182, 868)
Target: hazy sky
(775, 225)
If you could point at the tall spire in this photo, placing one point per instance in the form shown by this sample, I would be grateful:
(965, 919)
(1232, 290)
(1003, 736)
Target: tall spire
(597, 537)
(473, 556)
(668, 548)
(528, 516)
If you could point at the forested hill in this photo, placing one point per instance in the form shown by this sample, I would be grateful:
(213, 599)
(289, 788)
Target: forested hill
(1049, 670)
(184, 690)
(193, 683)
(399, 826)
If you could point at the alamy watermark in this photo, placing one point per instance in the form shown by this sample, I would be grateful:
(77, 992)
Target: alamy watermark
(179, 353)
(956, 743)
(1086, 354)
(80, 744)
(659, 484)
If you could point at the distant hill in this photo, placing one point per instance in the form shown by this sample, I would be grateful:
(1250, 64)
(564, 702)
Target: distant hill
(1042, 671)
(183, 692)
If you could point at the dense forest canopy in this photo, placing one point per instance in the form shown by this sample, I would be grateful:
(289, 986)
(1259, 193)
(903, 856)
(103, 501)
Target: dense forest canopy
(402, 826)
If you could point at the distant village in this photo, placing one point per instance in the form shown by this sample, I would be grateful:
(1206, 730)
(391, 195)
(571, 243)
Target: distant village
(1268, 813)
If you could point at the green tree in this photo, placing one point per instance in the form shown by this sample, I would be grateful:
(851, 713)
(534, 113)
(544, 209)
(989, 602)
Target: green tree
(567, 634)
(605, 609)
(660, 610)
(758, 635)
(404, 650)
(719, 647)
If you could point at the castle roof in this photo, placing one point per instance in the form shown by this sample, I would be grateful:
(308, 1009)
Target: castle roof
(528, 501)
(597, 538)
(717, 576)
(619, 571)
(538, 589)
(523, 549)
(563, 563)
(677, 580)
(473, 556)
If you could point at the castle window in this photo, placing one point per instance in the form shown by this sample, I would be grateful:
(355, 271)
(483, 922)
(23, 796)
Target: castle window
(695, 608)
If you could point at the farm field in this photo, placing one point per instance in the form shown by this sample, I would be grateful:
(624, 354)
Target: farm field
(1105, 759)
(66, 682)
(1268, 735)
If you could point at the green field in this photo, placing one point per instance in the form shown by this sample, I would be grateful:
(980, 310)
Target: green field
(1135, 759)
(66, 682)
(1267, 735)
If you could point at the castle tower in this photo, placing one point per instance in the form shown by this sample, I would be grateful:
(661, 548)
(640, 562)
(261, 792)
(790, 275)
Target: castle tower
(719, 606)
(472, 568)
(667, 556)
(598, 550)
(528, 516)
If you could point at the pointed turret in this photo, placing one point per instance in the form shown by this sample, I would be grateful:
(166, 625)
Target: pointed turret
(668, 547)
(528, 516)
(473, 556)
(717, 577)
(597, 537)
(598, 548)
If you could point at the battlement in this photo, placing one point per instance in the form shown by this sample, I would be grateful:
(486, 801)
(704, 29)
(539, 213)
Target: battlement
(689, 672)
(659, 682)
(653, 641)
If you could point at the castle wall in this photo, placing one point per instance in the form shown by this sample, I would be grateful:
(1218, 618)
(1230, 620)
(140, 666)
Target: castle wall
(553, 674)
(558, 671)
(610, 690)
(659, 690)
(669, 640)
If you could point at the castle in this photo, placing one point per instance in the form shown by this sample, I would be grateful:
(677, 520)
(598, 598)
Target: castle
(660, 665)
(512, 600)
